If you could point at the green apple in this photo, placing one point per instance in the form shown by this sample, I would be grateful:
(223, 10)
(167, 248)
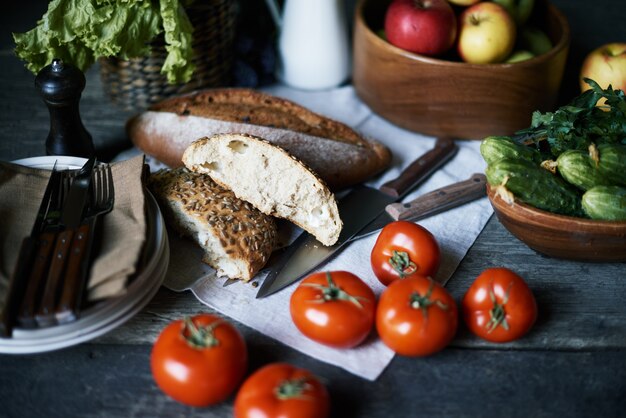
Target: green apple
(486, 33)
(605, 65)
(463, 2)
(520, 10)
(519, 55)
(534, 40)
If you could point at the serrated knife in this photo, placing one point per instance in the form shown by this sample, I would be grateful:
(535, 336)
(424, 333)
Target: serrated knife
(357, 209)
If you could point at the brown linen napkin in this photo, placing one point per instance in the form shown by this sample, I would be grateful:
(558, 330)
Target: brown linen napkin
(122, 235)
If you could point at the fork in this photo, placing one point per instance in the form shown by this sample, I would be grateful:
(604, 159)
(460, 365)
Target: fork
(79, 259)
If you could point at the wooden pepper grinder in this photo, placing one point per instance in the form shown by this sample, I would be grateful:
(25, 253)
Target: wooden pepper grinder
(60, 85)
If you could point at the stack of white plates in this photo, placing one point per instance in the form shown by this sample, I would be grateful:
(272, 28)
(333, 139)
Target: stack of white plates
(111, 313)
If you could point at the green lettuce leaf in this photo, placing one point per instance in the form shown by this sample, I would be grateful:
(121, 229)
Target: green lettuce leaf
(80, 31)
(178, 30)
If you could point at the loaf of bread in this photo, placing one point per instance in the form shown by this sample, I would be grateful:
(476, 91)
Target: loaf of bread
(337, 153)
(236, 238)
(271, 179)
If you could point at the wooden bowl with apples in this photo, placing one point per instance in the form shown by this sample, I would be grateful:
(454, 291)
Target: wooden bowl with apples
(463, 77)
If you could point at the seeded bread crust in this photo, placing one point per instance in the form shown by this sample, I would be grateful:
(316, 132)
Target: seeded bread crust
(336, 152)
(236, 237)
(270, 178)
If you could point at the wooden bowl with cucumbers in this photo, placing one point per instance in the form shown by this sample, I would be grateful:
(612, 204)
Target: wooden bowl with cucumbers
(564, 195)
(561, 236)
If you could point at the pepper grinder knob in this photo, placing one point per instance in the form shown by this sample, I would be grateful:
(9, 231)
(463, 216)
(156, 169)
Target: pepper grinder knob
(60, 85)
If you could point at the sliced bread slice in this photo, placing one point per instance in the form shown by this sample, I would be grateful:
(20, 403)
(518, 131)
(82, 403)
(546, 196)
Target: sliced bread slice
(272, 180)
(236, 238)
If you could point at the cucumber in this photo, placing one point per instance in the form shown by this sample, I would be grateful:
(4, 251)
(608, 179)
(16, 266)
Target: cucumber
(495, 148)
(612, 163)
(606, 203)
(577, 168)
(535, 186)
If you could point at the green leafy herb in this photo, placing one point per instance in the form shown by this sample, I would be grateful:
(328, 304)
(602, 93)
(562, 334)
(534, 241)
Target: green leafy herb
(581, 122)
(80, 31)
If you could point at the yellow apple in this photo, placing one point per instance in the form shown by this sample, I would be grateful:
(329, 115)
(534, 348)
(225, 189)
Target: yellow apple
(486, 33)
(605, 65)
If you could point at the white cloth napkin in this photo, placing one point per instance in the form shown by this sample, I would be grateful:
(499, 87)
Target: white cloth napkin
(455, 230)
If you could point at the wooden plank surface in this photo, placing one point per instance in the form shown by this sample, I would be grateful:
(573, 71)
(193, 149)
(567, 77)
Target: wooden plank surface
(114, 381)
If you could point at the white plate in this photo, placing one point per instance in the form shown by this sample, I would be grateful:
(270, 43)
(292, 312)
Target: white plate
(111, 313)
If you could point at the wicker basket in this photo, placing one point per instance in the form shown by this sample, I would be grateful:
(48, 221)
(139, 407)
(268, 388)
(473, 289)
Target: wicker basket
(136, 83)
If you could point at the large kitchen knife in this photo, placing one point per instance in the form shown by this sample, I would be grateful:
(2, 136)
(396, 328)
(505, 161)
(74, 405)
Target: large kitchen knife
(71, 218)
(357, 209)
(429, 204)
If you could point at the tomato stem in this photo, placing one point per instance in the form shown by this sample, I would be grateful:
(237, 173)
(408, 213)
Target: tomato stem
(422, 303)
(200, 337)
(401, 262)
(333, 292)
(498, 313)
(289, 389)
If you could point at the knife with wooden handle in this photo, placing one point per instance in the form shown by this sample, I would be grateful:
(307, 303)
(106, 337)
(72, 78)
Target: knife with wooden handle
(29, 257)
(437, 201)
(440, 200)
(44, 245)
(35, 283)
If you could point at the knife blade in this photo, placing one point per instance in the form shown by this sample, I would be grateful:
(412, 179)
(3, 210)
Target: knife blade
(356, 209)
(28, 257)
(71, 217)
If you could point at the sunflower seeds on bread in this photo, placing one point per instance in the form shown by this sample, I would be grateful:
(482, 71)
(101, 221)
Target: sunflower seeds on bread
(236, 238)
(271, 179)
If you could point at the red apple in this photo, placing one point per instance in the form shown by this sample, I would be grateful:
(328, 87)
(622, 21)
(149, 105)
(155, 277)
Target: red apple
(425, 27)
(605, 65)
(486, 33)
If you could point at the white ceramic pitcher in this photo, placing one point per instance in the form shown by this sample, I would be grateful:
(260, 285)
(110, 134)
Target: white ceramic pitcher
(314, 53)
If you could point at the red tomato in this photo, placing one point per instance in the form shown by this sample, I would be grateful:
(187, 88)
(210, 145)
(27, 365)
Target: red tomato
(402, 249)
(416, 316)
(499, 306)
(280, 390)
(199, 361)
(334, 308)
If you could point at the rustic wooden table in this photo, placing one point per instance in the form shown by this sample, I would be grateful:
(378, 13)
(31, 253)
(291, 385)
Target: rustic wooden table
(573, 363)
